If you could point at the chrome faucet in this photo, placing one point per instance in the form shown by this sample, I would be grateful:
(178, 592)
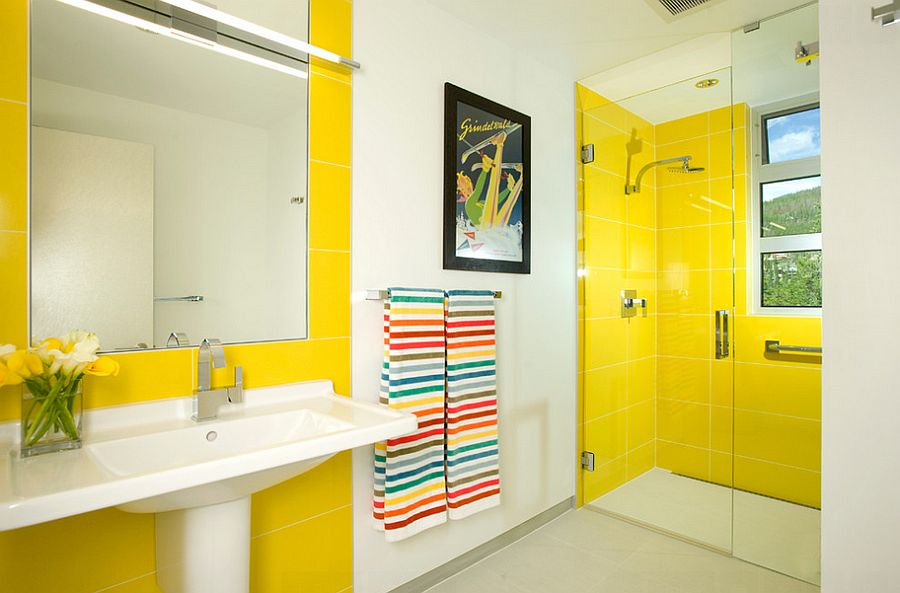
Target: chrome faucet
(207, 400)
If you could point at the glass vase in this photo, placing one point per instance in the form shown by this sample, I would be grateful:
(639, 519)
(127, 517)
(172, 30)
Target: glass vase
(51, 416)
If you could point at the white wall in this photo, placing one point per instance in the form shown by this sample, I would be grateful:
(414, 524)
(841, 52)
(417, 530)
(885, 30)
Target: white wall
(860, 218)
(408, 50)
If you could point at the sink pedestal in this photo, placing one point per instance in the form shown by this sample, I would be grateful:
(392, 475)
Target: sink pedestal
(204, 549)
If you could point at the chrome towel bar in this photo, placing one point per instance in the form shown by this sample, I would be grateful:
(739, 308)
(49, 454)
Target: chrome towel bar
(375, 294)
(194, 298)
(775, 346)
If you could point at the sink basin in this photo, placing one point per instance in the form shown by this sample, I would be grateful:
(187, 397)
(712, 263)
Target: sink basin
(151, 457)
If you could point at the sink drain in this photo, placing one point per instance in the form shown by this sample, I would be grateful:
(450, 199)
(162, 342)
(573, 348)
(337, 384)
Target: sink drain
(211, 436)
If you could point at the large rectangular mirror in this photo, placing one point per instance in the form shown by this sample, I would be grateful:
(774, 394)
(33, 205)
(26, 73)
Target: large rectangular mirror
(168, 181)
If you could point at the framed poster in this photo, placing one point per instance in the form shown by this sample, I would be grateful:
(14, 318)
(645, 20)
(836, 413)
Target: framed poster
(487, 185)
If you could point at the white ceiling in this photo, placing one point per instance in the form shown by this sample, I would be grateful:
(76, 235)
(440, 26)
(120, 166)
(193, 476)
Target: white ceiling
(590, 36)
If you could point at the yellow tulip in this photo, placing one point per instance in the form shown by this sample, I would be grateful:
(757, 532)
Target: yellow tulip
(51, 344)
(7, 377)
(104, 366)
(25, 364)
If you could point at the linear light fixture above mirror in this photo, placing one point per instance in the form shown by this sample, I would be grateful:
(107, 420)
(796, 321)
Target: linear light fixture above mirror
(207, 27)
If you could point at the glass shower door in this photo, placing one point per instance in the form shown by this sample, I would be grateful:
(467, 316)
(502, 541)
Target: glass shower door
(657, 303)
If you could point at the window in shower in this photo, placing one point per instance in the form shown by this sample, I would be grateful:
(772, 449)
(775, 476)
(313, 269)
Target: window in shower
(787, 209)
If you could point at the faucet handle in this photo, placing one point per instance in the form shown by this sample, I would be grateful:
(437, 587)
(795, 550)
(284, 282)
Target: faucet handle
(236, 392)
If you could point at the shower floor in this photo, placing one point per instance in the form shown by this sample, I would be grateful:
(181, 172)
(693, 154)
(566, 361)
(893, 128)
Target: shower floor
(773, 533)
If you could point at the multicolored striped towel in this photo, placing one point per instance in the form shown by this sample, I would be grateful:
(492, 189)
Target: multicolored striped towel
(410, 493)
(473, 468)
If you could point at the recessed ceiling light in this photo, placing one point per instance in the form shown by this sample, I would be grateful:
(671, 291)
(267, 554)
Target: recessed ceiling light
(706, 83)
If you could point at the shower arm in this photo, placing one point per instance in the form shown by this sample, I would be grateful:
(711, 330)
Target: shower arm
(636, 188)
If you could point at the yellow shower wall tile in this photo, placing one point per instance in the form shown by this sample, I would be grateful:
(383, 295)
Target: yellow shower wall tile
(696, 148)
(641, 380)
(602, 292)
(587, 99)
(329, 119)
(641, 251)
(312, 493)
(609, 144)
(79, 554)
(683, 205)
(681, 291)
(313, 555)
(329, 207)
(720, 119)
(604, 478)
(684, 335)
(329, 295)
(641, 460)
(778, 481)
(682, 422)
(604, 194)
(644, 282)
(13, 288)
(605, 390)
(778, 439)
(683, 128)
(330, 21)
(721, 468)
(605, 343)
(144, 584)
(604, 243)
(682, 459)
(721, 428)
(722, 383)
(723, 238)
(791, 391)
(13, 166)
(729, 290)
(685, 248)
(683, 379)
(606, 437)
(641, 337)
(143, 376)
(642, 207)
(14, 50)
(640, 423)
(750, 334)
(720, 195)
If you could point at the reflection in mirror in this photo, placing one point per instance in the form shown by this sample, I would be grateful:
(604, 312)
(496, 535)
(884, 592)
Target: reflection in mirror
(168, 183)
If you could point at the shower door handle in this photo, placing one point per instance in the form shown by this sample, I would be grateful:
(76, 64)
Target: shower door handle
(722, 338)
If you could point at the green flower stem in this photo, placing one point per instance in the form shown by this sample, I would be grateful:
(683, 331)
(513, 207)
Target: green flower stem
(55, 403)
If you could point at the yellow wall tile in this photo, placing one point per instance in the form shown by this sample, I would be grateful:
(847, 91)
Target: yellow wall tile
(683, 128)
(144, 584)
(14, 50)
(720, 119)
(683, 379)
(329, 121)
(13, 288)
(685, 248)
(606, 437)
(604, 391)
(641, 429)
(684, 335)
(330, 24)
(329, 207)
(683, 459)
(721, 421)
(604, 478)
(644, 282)
(750, 334)
(778, 481)
(641, 251)
(604, 194)
(79, 554)
(722, 384)
(696, 148)
(792, 391)
(143, 376)
(685, 292)
(312, 555)
(609, 144)
(13, 165)
(641, 380)
(683, 422)
(722, 238)
(329, 295)
(720, 157)
(686, 204)
(604, 243)
(605, 343)
(602, 292)
(780, 439)
(588, 99)
(641, 337)
(642, 208)
(728, 291)
(722, 204)
(720, 468)
(641, 460)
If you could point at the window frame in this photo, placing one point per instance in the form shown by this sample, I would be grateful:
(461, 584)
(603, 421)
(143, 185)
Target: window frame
(764, 172)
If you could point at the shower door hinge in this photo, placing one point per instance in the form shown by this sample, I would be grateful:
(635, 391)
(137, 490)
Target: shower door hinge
(587, 154)
(587, 461)
(751, 27)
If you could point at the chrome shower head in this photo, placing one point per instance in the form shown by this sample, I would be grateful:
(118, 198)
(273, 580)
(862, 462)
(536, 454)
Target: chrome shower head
(686, 167)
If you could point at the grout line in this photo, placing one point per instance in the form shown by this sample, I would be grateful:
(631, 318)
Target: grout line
(812, 471)
(330, 163)
(289, 525)
(125, 582)
(329, 77)
(707, 134)
(328, 250)
(14, 232)
(13, 101)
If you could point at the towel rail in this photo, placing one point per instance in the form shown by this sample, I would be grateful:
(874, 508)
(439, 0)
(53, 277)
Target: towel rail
(776, 346)
(379, 294)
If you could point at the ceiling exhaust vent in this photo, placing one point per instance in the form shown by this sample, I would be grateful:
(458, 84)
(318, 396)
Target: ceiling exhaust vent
(672, 9)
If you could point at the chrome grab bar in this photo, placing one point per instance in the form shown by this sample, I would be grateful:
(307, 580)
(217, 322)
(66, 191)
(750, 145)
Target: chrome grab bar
(776, 347)
(194, 298)
(722, 338)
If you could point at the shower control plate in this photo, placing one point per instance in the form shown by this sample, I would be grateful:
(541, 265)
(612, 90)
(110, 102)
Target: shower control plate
(631, 303)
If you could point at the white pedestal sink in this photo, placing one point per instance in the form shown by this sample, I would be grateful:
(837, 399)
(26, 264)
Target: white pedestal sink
(198, 478)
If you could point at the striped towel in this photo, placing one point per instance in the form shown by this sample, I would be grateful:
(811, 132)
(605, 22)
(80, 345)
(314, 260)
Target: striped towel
(473, 468)
(410, 493)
